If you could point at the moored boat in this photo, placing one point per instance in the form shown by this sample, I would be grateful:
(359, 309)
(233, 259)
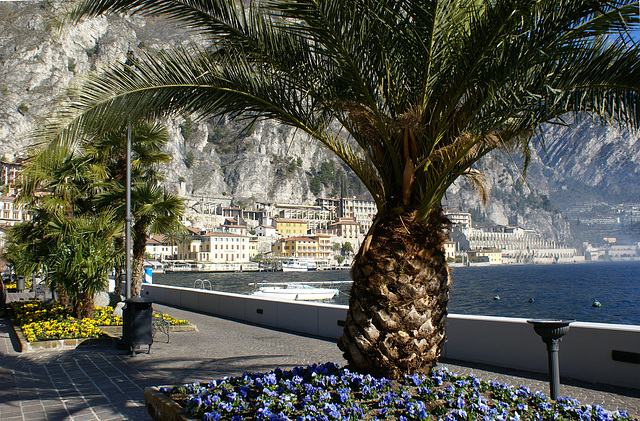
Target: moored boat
(295, 291)
(298, 266)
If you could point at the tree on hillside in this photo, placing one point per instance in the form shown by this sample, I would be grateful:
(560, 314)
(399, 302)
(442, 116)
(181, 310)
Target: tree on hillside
(410, 94)
(87, 176)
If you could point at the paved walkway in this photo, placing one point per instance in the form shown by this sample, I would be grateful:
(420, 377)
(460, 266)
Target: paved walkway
(107, 384)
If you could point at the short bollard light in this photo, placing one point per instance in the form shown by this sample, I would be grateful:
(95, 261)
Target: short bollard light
(552, 332)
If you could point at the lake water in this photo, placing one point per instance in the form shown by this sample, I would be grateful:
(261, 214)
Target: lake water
(558, 291)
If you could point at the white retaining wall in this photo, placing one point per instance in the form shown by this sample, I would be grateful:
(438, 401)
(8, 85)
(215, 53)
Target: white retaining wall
(585, 352)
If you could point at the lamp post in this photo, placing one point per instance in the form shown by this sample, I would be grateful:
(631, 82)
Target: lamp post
(127, 216)
(552, 332)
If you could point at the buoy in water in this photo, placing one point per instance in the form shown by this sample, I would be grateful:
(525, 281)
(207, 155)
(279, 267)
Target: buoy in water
(531, 300)
(496, 297)
(596, 303)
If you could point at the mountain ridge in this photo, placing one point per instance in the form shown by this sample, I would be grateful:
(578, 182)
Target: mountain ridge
(267, 162)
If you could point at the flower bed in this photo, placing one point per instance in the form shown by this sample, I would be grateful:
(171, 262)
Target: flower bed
(328, 392)
(40, 322)
(12, 286)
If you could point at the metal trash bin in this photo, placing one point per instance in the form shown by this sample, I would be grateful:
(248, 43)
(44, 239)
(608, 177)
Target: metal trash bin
(20, 284)
(137, 315)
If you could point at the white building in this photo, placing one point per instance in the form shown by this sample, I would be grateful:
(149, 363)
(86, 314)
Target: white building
(458, 218)
(10, 213)
(265, 231)
(449, 250)
(362, 211)
(159, 248)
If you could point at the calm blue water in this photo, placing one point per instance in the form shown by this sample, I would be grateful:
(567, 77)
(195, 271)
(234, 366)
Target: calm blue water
(559, 291)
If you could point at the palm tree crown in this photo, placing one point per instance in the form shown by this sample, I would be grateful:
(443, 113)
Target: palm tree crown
(420, 89)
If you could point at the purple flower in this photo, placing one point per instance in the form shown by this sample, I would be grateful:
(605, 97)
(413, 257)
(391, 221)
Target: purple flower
(212, 416)
(270, 393)
(344, 394)
(417, 379)
(462, 383)
(457, 414)
(270, 379)
(424, 391)
(331, 410)
(264, 413)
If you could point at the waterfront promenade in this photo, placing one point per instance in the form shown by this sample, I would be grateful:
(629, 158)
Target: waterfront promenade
(107, 384)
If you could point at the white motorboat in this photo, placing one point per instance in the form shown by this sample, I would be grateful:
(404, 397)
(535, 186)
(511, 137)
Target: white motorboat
(298, 266)
(295, 291)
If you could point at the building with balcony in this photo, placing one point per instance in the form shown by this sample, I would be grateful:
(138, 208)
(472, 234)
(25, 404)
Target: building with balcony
(9, 172)
(214, 247)
(317, 247)
(362, 211)
(458, 218)
(345, 228)
(10, 212)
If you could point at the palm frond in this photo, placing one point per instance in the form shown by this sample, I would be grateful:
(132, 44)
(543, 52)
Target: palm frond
(420, 89)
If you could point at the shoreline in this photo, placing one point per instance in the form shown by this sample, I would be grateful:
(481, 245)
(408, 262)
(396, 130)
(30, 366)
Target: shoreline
(577, 262)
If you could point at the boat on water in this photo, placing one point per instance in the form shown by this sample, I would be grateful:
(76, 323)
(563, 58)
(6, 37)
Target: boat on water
(294, 291)
(298, 266)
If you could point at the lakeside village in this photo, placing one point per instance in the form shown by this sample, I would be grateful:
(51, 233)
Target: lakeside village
(295, 237)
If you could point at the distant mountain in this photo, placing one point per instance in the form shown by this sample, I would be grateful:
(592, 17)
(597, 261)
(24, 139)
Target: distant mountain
(266, 162)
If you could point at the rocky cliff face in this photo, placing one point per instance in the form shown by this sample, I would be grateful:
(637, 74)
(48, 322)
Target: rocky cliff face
(268, 162)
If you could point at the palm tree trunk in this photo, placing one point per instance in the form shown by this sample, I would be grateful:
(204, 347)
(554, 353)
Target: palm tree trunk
(139, 247)
(396, 317)
(86, 306)
(120, 271)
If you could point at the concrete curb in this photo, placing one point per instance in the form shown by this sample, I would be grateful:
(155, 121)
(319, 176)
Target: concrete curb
(161, 407)
(59, 344)
(113, 332)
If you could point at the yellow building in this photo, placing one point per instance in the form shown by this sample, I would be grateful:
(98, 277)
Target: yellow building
(450, 250)
(215, 247)
(316, 247)
(290, 227)
(491, 255)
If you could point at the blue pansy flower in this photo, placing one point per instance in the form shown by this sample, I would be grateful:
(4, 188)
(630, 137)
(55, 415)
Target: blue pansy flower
(212, 416)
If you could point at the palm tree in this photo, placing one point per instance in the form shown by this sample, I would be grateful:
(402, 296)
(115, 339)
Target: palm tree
(85, 253)
(88, 176)
(154, 212)
(410, 94)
